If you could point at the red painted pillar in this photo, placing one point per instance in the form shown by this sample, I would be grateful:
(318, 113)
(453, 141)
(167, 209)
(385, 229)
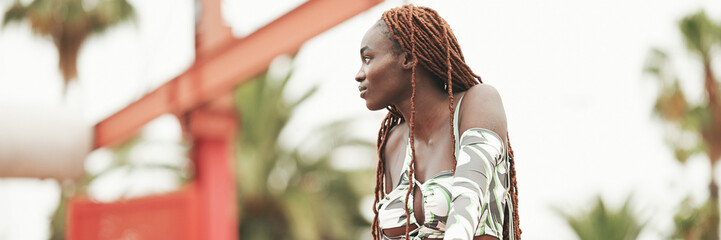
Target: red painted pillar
(213, 141)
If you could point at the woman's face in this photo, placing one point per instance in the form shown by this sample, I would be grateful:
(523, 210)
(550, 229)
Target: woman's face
(383, 80)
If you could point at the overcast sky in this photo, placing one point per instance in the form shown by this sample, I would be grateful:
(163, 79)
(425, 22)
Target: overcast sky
(569, 73)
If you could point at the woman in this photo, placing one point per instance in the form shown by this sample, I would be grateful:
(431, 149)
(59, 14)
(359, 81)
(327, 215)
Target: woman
(463, 186)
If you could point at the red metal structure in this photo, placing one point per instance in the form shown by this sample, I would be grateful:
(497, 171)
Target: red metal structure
(201, 98)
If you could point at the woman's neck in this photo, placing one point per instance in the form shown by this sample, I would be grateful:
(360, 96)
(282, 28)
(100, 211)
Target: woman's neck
(431, 110)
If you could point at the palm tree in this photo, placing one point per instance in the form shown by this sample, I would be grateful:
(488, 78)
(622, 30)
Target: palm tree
(693, 128)
(68, 23)
(600, 223)
(286, 192)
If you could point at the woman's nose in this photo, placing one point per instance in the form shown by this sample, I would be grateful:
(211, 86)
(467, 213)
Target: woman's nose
(360, 76)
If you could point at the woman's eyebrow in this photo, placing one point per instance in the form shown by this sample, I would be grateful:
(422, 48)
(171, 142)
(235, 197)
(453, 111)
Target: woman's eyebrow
(363, 49)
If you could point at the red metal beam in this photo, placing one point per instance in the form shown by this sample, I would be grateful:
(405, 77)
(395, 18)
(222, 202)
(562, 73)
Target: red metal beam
(169, 216)
(220, 71)
(213, 140)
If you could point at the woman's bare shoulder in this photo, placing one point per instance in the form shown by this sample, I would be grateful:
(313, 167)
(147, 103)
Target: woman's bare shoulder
(482, 107)
(396, 140)
(396, 137)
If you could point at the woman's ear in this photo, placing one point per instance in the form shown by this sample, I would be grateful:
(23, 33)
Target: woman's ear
(408, 60)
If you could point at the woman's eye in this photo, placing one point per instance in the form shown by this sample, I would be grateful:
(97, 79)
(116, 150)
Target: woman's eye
(366, 59)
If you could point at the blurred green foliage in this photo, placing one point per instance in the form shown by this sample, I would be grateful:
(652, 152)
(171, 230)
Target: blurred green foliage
(600, 223)
(68, 23)
(696, 222)
(692, 127)
(293, 192)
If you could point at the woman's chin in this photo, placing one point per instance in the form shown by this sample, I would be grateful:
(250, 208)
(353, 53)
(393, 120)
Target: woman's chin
(373, 107)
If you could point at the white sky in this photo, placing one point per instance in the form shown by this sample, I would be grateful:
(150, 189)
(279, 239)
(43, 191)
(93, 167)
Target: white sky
(569, 72)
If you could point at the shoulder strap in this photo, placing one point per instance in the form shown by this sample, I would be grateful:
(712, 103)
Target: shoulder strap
(455, 126)
(509, 207)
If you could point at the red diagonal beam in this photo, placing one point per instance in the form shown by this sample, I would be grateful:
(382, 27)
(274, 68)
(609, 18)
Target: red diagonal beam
(219, 72)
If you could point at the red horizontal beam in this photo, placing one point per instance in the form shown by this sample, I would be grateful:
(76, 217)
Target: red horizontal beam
(222, 70)
(167, 216)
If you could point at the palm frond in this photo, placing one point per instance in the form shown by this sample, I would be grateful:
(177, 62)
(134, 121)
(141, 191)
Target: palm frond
(308, 197)
(601, 223)
(656, 63)
(16, 13)
(699, 32)
(108, 13)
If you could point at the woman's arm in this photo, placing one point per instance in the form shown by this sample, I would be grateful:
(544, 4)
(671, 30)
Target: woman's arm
(476, 162)
(482, 119)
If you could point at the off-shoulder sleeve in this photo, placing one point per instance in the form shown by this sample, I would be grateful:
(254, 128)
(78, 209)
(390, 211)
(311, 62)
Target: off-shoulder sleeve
(479, 153)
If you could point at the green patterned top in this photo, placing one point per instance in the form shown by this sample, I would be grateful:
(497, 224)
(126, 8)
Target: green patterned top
(460, 205)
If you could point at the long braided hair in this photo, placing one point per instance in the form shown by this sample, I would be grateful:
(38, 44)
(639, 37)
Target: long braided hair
(421, 32)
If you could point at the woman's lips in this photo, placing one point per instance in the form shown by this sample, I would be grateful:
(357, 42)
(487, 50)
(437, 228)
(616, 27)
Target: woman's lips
(362, 91)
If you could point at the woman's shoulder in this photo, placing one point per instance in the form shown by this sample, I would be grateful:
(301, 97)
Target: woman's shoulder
(482, 92)
(482, 107)
(397, 138)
